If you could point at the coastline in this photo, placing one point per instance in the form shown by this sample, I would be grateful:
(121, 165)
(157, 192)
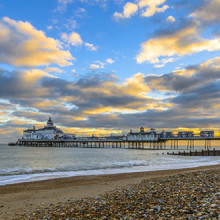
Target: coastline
(18, 198)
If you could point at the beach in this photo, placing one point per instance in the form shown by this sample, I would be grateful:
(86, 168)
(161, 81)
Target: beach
(116, 195)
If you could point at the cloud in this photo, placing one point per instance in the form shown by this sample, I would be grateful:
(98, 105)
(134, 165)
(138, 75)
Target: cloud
(186, 79)
(182, 42)
(164, 62)
(49, 27)
(145, 7)
(23, 45)
(70, 24)
(90, 46)
(208, 12)
(171, 19)
(73, 39)
(149, 8)
(101, 65)
(80, 12)
(37, 89)
(128, 10)
(110, 61)
(62, 4)
(94, 66)
(54, 69)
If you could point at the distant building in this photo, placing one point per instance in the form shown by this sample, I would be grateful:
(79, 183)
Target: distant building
(186, 134)
(47, 132)
(142, 135)
(166, 134)
(207, 134)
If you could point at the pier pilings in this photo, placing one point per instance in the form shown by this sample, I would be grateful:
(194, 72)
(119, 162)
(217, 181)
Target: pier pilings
(95, 144)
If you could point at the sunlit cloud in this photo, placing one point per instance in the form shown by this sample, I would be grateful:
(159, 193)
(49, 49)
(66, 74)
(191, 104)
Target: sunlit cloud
(146, 8)
(171, 19)
(186, 79)
(90, 46)
(128, 10)
(164, 62)
(110, 61)
(23, 45)
(149, 8)
(73, 39)
(183, 42)
(54, 69)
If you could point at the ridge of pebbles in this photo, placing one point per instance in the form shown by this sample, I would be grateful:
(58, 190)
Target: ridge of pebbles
(193, 195)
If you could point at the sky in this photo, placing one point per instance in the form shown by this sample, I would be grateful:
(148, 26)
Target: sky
(108, 66)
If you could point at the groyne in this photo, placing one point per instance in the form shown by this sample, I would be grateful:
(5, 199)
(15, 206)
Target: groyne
(208, 152)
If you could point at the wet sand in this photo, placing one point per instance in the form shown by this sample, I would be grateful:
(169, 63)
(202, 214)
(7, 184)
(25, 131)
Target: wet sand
(17, 199)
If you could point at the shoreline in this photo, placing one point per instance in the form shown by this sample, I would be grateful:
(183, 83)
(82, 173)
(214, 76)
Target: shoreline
(18, 198)
(37, 177)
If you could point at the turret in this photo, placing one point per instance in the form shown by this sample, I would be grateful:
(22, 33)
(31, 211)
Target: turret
(49, 122)
(141, 130)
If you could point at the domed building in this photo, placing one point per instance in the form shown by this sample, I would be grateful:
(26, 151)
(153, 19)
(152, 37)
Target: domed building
(47, 132)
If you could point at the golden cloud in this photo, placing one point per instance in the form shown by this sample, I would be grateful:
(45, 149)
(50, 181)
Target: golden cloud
(147, 9)
(32, 76)
(183, 42)
(151, 7)
(23, 45)
(53, 69)
(128, 10)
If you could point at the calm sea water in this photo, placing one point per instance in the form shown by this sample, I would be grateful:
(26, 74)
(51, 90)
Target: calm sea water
(24, 164)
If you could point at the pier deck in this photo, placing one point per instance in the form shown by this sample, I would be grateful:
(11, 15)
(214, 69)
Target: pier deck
(91, 143)
(118, 143)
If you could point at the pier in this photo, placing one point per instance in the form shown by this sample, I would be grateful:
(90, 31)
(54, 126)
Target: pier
(51, 136)
(118, 142)
(91, 143)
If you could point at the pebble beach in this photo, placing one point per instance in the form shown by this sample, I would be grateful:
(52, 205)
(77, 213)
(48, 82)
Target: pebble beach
(187, 195)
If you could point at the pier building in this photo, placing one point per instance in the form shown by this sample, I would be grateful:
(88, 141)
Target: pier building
(142, 135)
(207, 134)
(47, 132)
(166, 134)
(185, 134)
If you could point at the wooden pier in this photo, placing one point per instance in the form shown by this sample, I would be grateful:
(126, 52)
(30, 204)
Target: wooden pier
(90, 143)
(160, 144)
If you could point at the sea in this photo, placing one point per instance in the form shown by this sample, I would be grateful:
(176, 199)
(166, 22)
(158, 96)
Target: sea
(26, 164)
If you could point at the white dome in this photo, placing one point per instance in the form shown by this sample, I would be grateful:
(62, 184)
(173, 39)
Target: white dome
(49, 122)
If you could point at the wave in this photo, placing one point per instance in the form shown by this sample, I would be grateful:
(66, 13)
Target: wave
(12, 172)
(11, 176)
